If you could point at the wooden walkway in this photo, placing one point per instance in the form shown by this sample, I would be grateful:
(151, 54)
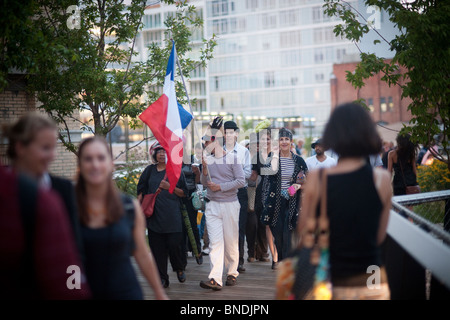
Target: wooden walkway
(256, 283)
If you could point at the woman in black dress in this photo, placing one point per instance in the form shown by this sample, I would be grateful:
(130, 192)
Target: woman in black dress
(112, 229)
(403, 161)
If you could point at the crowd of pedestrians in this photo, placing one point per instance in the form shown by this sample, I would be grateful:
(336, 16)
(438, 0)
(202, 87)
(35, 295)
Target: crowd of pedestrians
(255, 194)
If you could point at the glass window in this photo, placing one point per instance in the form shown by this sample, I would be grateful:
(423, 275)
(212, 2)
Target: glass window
(390, 104)
(370, 104)
(269, 79)
(383, 105)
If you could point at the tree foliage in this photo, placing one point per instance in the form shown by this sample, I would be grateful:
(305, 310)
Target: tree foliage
(422, 47)
(91, 63)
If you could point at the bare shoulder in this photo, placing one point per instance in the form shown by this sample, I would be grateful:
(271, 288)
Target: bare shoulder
(382, 179)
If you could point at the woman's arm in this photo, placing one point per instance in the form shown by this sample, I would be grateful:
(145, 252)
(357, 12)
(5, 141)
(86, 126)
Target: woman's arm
(382, 180)
(390, 161)
(144, 256)
(309, 198)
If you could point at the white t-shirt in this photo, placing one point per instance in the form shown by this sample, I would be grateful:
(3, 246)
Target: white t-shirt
(313, 163)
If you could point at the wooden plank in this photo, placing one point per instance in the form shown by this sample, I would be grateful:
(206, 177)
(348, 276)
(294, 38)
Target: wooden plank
(256, 283)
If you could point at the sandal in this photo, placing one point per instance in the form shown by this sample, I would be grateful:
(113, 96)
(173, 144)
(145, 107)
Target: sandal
(231, 280)
(210, 284)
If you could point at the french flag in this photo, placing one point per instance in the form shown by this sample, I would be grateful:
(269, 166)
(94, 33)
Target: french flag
(167, 119)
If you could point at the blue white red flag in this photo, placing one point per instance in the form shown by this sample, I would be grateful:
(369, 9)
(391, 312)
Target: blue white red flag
(167, 119)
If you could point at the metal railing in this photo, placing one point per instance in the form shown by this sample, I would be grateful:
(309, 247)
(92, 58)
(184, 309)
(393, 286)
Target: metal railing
(419, 223)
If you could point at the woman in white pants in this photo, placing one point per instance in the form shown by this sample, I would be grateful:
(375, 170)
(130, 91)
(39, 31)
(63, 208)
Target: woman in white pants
(223, 176)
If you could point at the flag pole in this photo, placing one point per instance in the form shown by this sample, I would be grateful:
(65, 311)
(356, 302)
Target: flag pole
(189, 103)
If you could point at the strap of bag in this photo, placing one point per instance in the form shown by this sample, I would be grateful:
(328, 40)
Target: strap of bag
(317, 224)
(159, 188)
(323, 222)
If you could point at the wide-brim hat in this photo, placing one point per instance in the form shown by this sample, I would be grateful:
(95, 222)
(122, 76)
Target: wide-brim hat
(318, 141)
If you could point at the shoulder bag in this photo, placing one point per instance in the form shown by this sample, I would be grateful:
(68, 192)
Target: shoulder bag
(148, 201)
(305, 274)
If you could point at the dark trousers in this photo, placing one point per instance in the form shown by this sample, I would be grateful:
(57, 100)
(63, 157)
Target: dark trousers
(166, 246)
(250, 233)
(256, 236)
(261, 239)
(243, 201)
(281, 233)
(192, 213)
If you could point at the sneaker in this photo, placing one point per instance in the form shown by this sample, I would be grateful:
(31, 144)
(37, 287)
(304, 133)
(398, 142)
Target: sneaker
(210, 284)
(181, 276)
(231, 280)
(205, 251)
(250, 259)
(165, 283)
(241, 268)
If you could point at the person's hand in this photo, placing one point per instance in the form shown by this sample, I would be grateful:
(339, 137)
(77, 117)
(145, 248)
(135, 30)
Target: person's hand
(164, 185)
(204, 166)
(213, 186)
(294, 188)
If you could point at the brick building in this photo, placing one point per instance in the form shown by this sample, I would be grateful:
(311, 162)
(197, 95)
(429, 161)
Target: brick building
(385, 103)
(15, 101)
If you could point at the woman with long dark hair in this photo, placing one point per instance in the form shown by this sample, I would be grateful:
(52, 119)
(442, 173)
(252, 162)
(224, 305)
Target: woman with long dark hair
(113, 229)
(358, 204)
(403, 161)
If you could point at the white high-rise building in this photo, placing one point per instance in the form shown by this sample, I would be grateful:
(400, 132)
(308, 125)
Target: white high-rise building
(274, 58)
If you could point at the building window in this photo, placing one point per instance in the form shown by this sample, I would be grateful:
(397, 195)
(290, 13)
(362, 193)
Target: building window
(220, 8)
(251, 4)
(269, 79)
(390, 104)
(319, 77)
(152, 36)
(370, 105)
(383, 104)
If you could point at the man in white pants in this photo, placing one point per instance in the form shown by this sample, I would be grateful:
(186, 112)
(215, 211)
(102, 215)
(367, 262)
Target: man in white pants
(223, 175)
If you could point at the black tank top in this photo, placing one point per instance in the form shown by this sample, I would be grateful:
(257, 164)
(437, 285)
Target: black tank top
(354, 210)
(109, 270)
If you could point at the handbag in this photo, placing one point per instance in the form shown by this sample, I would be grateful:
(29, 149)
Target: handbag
(148, 201)
(305, 274)
(409, 189)
(198, 199)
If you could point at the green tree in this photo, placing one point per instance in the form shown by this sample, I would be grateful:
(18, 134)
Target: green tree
(422, 47)
(84, 57)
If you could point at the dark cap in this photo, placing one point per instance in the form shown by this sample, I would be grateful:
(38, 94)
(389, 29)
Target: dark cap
(318, 141)
(230, 125)
(284, 132)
